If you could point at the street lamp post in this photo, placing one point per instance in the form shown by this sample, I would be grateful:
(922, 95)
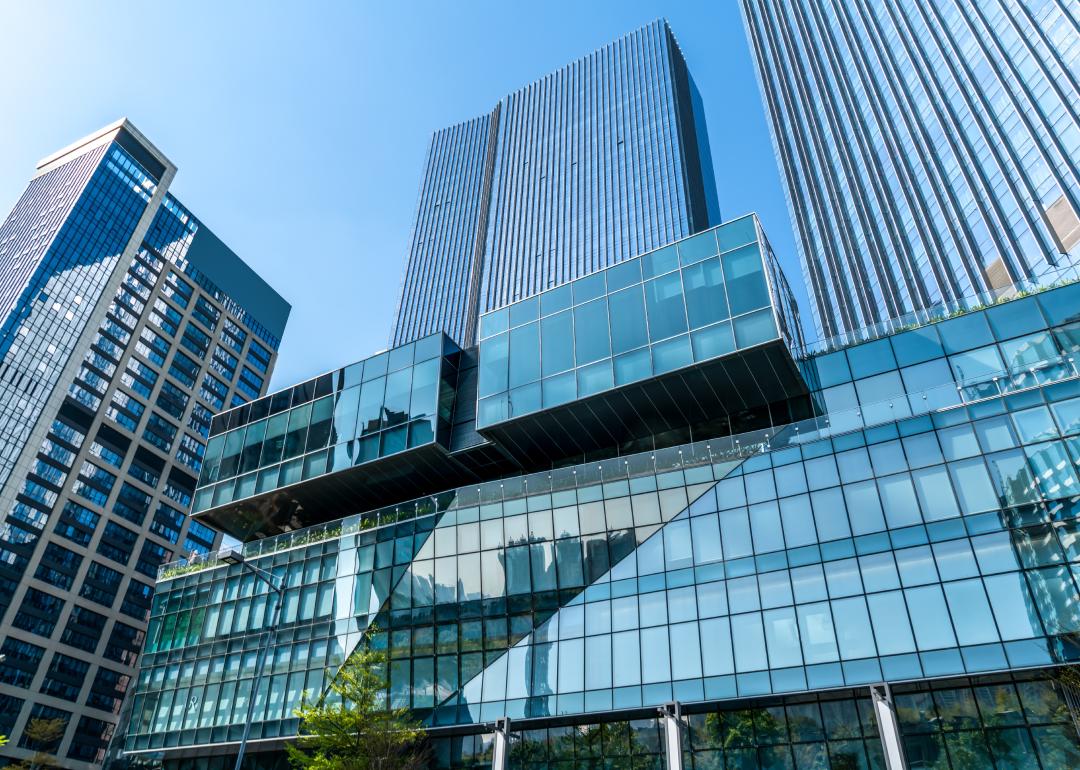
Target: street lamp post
(237, 557)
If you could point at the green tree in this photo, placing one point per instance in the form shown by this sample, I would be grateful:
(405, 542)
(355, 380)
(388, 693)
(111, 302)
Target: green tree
(42, 736)
(1068, 675)
(351, 727)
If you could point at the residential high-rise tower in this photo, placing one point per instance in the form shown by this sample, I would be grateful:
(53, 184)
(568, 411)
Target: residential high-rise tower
(930, 150)
(125, 323)
(587, 166)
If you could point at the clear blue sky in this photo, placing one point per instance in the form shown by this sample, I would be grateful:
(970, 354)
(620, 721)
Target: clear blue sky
(300, 128)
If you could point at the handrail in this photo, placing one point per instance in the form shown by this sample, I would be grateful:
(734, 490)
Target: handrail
(940, 312)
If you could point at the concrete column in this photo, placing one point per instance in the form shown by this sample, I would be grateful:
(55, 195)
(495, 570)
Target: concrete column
(671, 716)
(888, 728)
(501, 752)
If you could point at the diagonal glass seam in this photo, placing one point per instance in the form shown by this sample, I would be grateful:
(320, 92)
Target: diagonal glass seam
(346, 593)
(702, 490)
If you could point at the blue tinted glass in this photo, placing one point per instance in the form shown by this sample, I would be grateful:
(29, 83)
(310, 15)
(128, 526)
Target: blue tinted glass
(400, 357)
(965, 332)
(371, 401)
(1029, 350)
(871, 358)
(492, 410)
(706, 301)
(591, 332)
(352, 374)
(556, 299)
(494, 365)
(559, 389)
(1061, 305)
(494, 323)
(633, 366)
(524, 354)
(745, 281)
(664, 302)
(731, 235)
(425, 389)
(624, 274)
(754, 328)
(925, 376)
(396, 401)
(524, 311)
(557, 343)
(714, 341)
(832, 369)
(917, 345)
(627, 313)
(525, 399)
(697, 248)
(589, 287)
(671, 354)
(1012, 319)
(594, 378)
(659, 262)
(976, 363)
(393, 441)
(375, 366)
(428, 347)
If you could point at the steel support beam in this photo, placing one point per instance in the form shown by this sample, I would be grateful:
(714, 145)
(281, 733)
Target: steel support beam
(671, 716)
(888, 729)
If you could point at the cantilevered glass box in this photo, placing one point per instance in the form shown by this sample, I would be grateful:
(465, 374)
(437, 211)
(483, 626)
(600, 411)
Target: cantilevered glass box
(694, 334)
(384, 420)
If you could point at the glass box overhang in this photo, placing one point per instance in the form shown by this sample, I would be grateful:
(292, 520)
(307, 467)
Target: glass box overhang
(698, 331)
(375, 429)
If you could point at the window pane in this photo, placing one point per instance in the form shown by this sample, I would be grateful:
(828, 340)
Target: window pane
(755, 328)
(494, 361)
(627, 313)
(557, 343)
(706, 301)
(714, 341)
(591, 332)
(664, 302)
(524, 355)
(745, 282)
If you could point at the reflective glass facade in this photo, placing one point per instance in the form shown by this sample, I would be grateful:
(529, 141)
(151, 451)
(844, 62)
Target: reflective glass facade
(595, 163)
(929, 149)
(923, 527)
(703, 297)
(53, 269)
(374, 408)
(120, 345)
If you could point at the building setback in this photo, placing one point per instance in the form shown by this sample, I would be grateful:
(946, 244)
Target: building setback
(599, 161)
(125, 323)
(929, 150)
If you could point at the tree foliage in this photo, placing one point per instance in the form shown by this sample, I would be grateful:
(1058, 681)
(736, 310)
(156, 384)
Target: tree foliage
(351, 728)
(1068, 675)
(42, 736)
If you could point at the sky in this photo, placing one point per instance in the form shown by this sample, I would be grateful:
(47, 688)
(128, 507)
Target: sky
(300, 129)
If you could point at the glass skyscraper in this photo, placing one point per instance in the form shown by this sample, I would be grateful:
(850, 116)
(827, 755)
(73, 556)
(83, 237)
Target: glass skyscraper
(594, 163)
(930, 149)
(125, 324)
